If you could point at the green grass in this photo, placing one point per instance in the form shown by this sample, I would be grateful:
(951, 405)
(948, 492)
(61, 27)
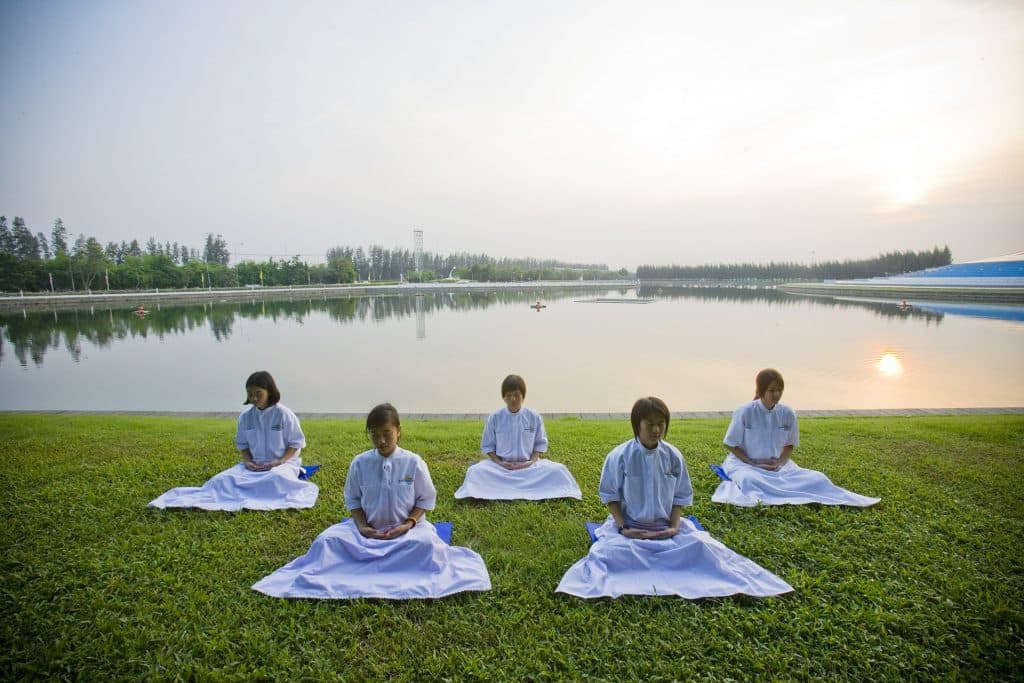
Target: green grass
(95, 586)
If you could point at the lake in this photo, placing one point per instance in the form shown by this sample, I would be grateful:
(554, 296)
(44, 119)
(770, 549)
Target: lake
(447, 352)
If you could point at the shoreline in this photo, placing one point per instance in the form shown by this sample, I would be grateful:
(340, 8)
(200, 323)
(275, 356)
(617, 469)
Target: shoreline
(931, 292)
(127, 299)
(679, 415)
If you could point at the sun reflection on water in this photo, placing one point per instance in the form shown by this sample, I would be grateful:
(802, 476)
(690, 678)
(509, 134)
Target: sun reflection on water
(890, 364)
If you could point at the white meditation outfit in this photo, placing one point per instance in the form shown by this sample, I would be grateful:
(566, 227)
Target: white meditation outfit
(342, 563)
(515, 437)
(762, 434)
(388, 488)
(647, 483)
(267, 434)
(652, 480)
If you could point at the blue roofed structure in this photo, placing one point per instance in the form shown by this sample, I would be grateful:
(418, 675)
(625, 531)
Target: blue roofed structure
(1002, 271)
(999, 279)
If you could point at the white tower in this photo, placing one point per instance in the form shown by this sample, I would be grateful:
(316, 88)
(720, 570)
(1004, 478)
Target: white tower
(417, 239)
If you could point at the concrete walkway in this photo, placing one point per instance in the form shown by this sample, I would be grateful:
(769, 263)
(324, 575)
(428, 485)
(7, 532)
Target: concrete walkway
(888, 412)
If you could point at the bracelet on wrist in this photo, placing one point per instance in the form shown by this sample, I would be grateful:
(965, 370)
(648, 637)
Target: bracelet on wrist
(411, 519)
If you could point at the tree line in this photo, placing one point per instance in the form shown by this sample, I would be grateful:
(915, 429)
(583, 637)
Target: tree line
(893, 263)
(34, 262)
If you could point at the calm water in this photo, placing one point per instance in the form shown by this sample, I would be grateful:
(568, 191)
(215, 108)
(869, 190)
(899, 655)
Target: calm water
(447, 353)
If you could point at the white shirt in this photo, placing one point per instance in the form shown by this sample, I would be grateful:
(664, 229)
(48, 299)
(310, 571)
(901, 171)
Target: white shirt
(646, 483)
(388, 488)
(763, 433)
(514, 436)
(268, 433)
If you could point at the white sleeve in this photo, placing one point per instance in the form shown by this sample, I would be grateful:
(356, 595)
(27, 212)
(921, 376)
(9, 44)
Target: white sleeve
(426, 494)
(489, 441)
(241, 442)
(734, 434)
(540, 442)
(293, 436)
(610, 488)
(353, 488)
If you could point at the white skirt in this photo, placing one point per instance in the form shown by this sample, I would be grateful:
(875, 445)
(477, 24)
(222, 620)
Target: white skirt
(342, 563)
(790, 485)
(543, 479)
(237, 488)
(690, 564)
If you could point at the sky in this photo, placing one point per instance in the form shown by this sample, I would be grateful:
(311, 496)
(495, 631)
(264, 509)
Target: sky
(623, 133)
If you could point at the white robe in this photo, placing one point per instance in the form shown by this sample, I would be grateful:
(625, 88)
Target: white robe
(514, 437)
(762, 434)
(342, 563)
(690, 565)
(648, 483)
(267, 434)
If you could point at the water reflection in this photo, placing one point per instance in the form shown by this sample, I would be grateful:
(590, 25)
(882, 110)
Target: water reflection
(441, 352)
(890, 365)
(886, 309)
(34, 333)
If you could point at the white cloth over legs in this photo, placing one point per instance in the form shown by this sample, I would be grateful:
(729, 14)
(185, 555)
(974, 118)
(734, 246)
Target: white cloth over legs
(342, 563)
(237, 488)
(691, 565)
(542, 480)
(789, 485)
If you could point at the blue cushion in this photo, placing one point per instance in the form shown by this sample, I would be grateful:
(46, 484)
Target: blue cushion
(717, 469)
(307, 471)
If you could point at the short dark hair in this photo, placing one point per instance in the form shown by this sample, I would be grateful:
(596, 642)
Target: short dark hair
(766, 377)
(511, 383)
(261, 379)
(383, 414)
(645, 407)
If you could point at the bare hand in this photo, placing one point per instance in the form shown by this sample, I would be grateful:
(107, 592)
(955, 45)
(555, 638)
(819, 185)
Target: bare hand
(251, 466)
(369, 532)
(396, 531)
(772, 465)
(664, 533)
(650, 535)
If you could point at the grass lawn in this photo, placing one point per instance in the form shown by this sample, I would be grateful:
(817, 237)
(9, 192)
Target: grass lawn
(926, 585)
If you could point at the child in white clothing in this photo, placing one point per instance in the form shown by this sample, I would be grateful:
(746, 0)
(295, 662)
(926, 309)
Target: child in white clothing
(514, 441)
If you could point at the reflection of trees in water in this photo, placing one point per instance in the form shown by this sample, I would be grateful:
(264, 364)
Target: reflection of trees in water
(32, 334)
(775, 297)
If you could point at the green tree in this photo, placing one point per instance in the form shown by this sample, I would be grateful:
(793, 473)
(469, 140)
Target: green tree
(216, 250)
(25, 244)
(130, 274)
(44, 245)
(89, 261)
(163, 272)
(6, 238)
(59, 238)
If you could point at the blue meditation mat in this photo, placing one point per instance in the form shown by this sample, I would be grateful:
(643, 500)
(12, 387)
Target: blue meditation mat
(593, 526)
(444, 530)
(717, 469)
(307, 471)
